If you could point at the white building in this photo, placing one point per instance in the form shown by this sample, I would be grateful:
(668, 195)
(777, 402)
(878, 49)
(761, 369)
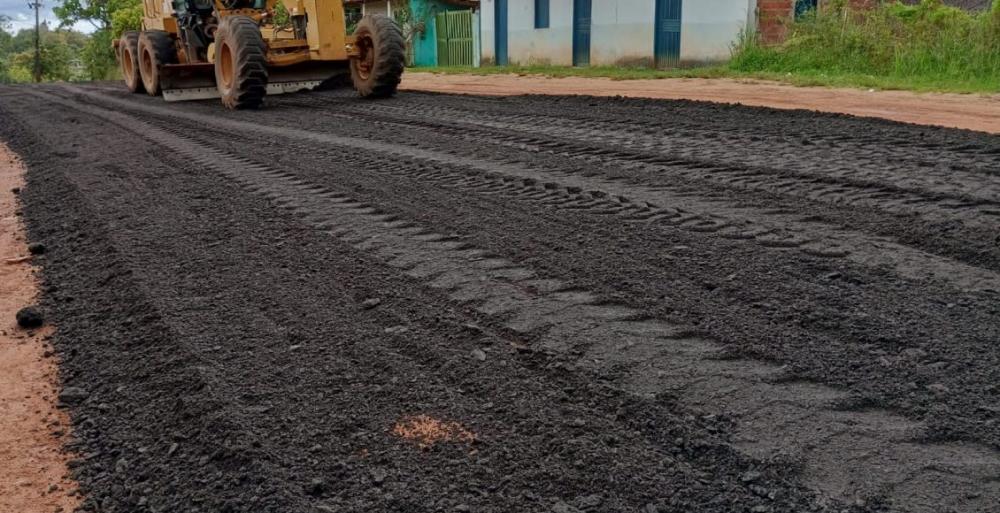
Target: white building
(664, 33)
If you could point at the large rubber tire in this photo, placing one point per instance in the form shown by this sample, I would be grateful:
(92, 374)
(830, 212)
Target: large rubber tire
(379, 68)
(240, 63)
(156, 48)
(128, 60)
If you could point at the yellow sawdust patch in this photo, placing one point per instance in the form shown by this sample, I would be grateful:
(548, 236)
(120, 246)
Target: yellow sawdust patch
(427, 431)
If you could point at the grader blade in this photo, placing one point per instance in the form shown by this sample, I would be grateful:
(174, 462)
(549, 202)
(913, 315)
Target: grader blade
(206, 93)
(188, 81)
(197, 81)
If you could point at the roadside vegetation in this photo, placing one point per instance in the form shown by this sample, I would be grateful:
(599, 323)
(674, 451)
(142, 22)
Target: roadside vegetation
(924, 47)
(61, 53)
(69, 54)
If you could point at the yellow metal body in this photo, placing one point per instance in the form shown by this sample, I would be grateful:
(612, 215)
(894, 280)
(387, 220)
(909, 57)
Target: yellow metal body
(157, 15)
(326, 33)
(296, 59)
(327, 29)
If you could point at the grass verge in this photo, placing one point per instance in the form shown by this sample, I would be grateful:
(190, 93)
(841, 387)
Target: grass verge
(927, 46)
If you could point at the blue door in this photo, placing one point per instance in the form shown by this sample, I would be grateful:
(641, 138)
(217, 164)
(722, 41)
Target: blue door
(667, 40)
(581, 32)
(500, 32)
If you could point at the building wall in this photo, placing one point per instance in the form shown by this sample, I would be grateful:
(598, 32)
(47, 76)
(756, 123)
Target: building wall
(425, 42)
(525, 44)
(622, 31)
(425, 45)
(486, 23)
(709, 28)
(773, 18)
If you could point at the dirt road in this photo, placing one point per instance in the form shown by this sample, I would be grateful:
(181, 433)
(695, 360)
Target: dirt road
(31, 427)
(459, 303)
(967, 111)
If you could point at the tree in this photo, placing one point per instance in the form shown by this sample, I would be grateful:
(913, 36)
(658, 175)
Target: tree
(60, 52)
(5, 39)
(95, 12)
(99, 13)
(98, 57)
(109, 18)
(127, 16)
(57, 57)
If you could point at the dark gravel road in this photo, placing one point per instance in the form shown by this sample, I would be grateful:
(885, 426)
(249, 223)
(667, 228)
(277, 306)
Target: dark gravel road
(632, 305)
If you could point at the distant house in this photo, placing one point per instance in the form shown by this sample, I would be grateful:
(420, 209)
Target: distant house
(664, 33)
(438, 32)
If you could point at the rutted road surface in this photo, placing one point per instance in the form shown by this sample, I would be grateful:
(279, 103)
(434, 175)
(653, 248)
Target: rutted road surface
(631, 305)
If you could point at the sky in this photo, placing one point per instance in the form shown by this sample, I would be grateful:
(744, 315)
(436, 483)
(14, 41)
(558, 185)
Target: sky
(22, 16)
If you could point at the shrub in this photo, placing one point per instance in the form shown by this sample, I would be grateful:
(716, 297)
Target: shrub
(927, 41)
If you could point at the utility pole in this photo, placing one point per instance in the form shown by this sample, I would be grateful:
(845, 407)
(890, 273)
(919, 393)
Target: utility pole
(37, 4)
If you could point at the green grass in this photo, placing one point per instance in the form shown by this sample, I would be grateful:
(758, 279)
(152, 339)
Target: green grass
(927, 47)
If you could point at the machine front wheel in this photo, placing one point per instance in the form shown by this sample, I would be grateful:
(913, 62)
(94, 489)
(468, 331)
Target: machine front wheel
(240, 63)
(128, 59)
(378, 68)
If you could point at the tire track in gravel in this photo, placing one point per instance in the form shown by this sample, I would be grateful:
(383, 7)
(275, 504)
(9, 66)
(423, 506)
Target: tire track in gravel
(646, 113)
(943, 224)
(845, 454)
(976, 200)
(687, 140)
(719, 217)
(917, 198)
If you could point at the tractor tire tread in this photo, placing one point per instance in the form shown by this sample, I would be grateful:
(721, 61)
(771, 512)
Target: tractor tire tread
(251, 75)
(389, 59)
(129, 42)
(161, 44)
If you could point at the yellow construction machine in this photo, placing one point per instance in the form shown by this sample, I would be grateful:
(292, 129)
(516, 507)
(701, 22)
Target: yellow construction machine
(243, 50)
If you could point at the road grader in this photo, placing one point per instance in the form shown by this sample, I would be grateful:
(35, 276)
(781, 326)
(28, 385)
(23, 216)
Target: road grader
(243, 50)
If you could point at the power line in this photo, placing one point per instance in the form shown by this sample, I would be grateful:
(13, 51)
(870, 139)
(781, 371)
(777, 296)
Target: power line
(36, 5)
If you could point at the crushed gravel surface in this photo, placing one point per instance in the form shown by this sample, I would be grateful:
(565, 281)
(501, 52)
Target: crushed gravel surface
(584, 304)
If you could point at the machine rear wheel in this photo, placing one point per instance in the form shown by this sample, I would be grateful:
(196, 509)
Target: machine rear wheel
(128, 59)
(240, 63)
(156, 48)
(376, 72)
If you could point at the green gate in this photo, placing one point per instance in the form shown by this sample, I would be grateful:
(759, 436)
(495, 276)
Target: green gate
(454, 38)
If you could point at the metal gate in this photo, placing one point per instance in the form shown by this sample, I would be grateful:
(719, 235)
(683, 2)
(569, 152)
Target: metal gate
(500, 32)
(667, 41)
(454, 38)
(581, 32)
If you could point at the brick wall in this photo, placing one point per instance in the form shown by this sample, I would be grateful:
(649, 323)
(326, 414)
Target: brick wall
(773, 17)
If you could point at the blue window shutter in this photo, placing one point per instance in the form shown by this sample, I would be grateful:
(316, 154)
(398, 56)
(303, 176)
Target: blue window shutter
(541, 14)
